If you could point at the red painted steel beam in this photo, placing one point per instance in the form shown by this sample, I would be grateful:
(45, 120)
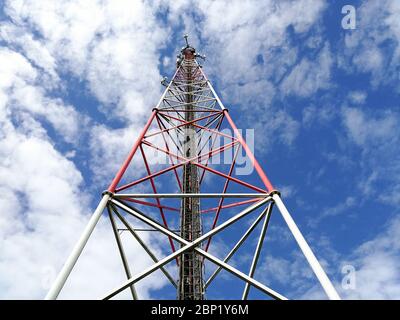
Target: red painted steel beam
(131, 184)
(161, 117)
(250, 154)
(170, 157)
(248, 185)
(151, 204)
(212, 146)
(166, 151)
(128, 160)
(214, 131)
(199, 126)
(153, 186)
(196, 158)
(158, 173)
(231, 205)
(185, 123)
(221, 201)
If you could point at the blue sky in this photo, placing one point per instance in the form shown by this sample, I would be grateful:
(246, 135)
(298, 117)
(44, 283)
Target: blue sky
(79, 79)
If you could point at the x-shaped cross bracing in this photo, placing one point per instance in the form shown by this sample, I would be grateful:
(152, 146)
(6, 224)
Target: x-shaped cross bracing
(194, 245)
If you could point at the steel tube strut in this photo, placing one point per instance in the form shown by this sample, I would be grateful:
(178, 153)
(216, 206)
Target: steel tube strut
(76, 251)
(258, 249)
(312, 260)
(231, 205)
(250, 154)
(191, 245)
(236, 247)
(191, 195)
(144, 246)
(128, 160)
(153, 186)
(170, 157)
(122, 252)
(131, 184)
(135, 212)
(221, 201)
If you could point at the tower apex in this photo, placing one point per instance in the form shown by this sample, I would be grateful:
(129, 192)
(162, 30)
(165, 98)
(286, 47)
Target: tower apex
(188, 52)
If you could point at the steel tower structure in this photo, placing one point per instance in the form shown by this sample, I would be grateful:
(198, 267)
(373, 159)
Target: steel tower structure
(186, 126)
(190, 267)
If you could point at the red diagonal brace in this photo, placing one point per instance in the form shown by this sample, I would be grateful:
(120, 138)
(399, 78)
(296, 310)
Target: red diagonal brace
(128, 160)
(153, 186)
(221, 201)
(185, 123)
(197, 158)
(250, 154)
(151, 204)
(231, 205)
(170, 157)
(248, 185)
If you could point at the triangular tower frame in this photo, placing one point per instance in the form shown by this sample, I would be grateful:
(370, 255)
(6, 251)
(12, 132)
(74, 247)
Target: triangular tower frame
(189, 93)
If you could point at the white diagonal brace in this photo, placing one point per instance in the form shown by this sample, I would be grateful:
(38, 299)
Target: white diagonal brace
(235, 248)
(144, 246)
(196, 242)
(122, 252)
(192, 245)
(258, 249)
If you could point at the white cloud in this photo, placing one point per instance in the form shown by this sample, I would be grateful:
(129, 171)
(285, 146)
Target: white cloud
(110, 148)
(43, 213)
(42, 189)
(322, 114)
(21, 92)
(33, 49)
(357, 97)
(33, 176)
(248, 30)
(374, 46)
(343, 207)
(43, 210)
(377, 134)
(285, 271)
(287, 191)
(376, 264)
(366, 131)
(112, 45)
(308, 77)
(279, 124)
(292, 273)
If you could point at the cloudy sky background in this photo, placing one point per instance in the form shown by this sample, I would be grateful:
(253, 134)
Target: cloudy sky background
(79, 78)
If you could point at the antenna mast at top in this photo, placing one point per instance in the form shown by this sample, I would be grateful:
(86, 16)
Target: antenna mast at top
(186, 39)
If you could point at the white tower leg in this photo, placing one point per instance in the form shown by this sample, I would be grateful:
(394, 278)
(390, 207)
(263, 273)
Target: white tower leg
(76, 251)
(305, 248)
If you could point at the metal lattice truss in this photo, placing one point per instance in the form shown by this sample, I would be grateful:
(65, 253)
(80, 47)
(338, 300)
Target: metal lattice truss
(164, 134)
